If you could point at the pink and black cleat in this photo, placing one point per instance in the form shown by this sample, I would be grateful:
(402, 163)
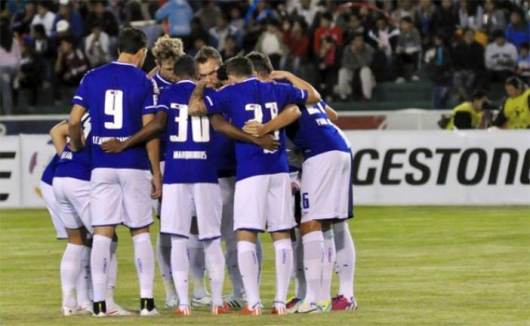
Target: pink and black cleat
(341, 303)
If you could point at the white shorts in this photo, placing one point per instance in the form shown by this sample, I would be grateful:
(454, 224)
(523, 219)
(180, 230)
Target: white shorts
(228, 186)
(264, 202)
(73, 196)
(53, 208)
(121, 196)
(181, 201)
(325, 186)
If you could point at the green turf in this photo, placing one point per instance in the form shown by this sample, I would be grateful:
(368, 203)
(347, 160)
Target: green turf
(416, 266)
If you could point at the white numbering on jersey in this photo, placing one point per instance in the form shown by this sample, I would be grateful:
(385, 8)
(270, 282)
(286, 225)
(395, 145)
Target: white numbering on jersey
(319, 108)
(114, 108)
(258, 116)
(200, 126)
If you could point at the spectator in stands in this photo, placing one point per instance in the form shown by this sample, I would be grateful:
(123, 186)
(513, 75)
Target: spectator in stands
(41, 40)
(494, 18)
(271, 43)
(101, 16)
(355, 75)
(231, 49)
(15, 6)
(198, 43)
(220, 31)
(305, 9)
(408, 51)
(327, 72)
(21, 22)
(236, 20)
(208, 14)
(501, 58)
(523, 62)
(97, 46)
(44, 16)
(384, 40)
(438, 62)
(197, 32)
(468, 115)
(137, 10)
(468, 65)
(70, 66)
(354, 27)
(405, 9)
(327, 28)
(515, 112)
(298, 42)
(423, 17)
(470, 15)
(9, 62)
(445, 20)
(179, 14)
(367, 18)
(67, 13)
(29, 75)
(518, 30)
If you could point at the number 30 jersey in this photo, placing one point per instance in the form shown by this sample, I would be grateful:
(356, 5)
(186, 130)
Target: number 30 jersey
(190, 157)
(116, 96)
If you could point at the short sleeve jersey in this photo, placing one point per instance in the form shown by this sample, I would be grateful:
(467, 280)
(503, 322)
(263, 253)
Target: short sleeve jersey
(255, 100)
(77, 165)
(49, 171)
(161, 83)
(116, 96)
(189, 156)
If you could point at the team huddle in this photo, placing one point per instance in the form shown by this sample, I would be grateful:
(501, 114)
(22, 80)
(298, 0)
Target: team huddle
(223, 152)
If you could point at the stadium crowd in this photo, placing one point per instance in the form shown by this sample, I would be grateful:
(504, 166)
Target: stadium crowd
(342, 47)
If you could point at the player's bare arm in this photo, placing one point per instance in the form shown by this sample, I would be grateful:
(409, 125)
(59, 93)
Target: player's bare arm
(58, 133)
(313, 96)
(196, 106)
(332, 114)
(153, 152)
(74, 127)
(288, 115)
(226, 128)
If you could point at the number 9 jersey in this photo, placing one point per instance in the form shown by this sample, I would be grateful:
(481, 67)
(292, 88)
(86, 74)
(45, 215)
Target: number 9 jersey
(117, 96)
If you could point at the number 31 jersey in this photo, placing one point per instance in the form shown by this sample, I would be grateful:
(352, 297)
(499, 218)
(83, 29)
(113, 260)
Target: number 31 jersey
(189, 157)
(117, 95)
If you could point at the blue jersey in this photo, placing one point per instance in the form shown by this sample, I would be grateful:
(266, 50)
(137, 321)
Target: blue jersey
(116, 96)
(314, 133)
(161, 83)
(189, 157)
(49, 171)
(77, 165)
(254, 100)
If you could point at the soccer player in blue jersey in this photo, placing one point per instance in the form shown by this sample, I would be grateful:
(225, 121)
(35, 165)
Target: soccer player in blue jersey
(120, 99)
(263, 193)
(46, 189)
(325, 188)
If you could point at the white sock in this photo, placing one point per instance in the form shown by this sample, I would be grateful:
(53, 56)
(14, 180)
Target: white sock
(112, 276)
(163, 246)
(83, 280)
(284, 265)
(328, 264)
(215, 262)
(300, 284)
(70, 269)
(249, 269)
(313, 259)
(233, 268)
(99, 266)
(345, 262)
(145, 264)
(197, 265)
(259, 254)
(179, 268)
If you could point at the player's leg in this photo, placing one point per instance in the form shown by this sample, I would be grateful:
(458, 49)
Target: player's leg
(53, 208)
(208, 204)
(164, 263)
(136, 188)
(197, 266)
(328, 263)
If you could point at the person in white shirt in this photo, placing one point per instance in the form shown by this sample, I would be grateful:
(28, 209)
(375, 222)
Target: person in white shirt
(44, 16)
(501, 58)
(97, 47)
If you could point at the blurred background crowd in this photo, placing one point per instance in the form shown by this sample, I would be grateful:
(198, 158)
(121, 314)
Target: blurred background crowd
(346, 49)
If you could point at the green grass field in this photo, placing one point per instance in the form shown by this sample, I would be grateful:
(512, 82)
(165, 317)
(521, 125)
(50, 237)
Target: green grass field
(415, 266)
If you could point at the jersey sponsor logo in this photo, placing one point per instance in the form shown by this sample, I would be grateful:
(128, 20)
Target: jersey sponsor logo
(67, 155)
(190, 155)
(100, 140)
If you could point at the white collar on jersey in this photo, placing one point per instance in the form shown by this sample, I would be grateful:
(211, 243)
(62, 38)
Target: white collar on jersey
(186, 81)
(249, 79)
(159, 76)
(124, 64)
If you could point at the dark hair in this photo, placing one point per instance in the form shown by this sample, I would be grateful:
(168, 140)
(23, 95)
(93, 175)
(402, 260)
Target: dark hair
(131, 40)
(524, 45)
(327, 15)
(480, 94)
(406, 19)
(184, 66)
(515, 82)
(329, 39)
(382, 17)
(39, 28)
(6, 36)
(207, 52)
(497, 34)
(239, 67)
(356, 35)
(468, 29)
(221, 73)
(68, 38)
(261, 62)
(45, 4)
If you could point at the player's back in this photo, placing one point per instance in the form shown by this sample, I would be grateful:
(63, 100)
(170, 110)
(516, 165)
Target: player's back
(117, 95)
(77, 165)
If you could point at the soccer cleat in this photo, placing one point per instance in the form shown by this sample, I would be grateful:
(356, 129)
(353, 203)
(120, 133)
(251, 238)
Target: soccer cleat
(324, 306)
(256, 311)
(201, 302)
(304, 307)
(145, 313)
(279, 309)
(117, 310)
(85, 309)
(291, 305)
(173, 303)
(66, 311)
(183, 311)
(235, 302)
(341, 303)
(221, 310)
